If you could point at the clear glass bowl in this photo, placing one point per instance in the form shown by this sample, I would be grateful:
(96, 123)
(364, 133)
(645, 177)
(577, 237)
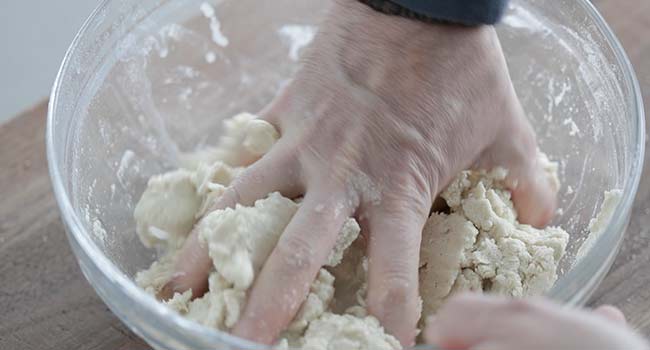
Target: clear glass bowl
(145, 80)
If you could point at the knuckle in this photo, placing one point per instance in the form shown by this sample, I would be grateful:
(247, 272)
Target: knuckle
(403, 219)
(410, 193)
(297, 252)
(285, 155)
(252, 175)
(396, 289)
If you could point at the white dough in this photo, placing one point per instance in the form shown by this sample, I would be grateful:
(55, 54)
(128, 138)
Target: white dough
(332, 331)
(478, 245)
(165, 212)
(318, 300)
(598, 224)
(239, 240)
(245, 139)
(154, 278)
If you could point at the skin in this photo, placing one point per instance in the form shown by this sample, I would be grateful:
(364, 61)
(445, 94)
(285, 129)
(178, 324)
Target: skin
(480, 322)
(384, 112)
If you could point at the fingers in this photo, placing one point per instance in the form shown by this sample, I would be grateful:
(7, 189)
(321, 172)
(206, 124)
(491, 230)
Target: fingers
(484, 322)
(277, 171)
(191, 269)
(274, 172)
(535, 196)
(476, 321)
(394, 253)
(534, 189)
(472, 321)
(611, 313)
(284, 281)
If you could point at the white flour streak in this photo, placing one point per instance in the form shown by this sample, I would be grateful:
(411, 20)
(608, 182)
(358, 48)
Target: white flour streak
(573, 128)
(215, 26)
(299, 36)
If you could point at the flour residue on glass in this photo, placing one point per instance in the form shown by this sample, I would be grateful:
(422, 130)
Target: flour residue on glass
(573, 127)
(210, 57)
(298, 36)
(215, 26)
(125, 163)
(519, 17)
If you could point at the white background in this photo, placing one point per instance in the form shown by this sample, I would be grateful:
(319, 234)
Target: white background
(34, 35)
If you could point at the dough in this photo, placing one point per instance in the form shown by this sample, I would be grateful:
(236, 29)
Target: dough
(480, 246)
(239, 240)
(477, 245)
(331, 331)
(245, 139)
(598, 224)
(165, 212)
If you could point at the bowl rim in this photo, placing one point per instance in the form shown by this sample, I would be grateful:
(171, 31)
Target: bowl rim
(121, 284)
(619, 219)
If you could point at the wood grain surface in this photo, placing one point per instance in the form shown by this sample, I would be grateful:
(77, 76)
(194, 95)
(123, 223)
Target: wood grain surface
(45, 302)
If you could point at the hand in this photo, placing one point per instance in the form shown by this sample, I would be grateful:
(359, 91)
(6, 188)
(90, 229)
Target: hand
(383, 114)
(486, 323)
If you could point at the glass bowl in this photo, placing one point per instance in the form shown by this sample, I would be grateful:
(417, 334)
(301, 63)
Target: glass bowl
(146, 80)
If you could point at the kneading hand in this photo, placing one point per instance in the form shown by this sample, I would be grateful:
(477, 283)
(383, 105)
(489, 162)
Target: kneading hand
(384, 112)
(490, 323)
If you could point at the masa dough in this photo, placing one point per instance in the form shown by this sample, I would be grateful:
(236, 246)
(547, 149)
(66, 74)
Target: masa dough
(480, 246)
(598, 224)
(477, 245)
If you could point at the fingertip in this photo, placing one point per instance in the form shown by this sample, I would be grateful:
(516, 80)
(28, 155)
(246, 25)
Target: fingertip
(191, 268)
(535, 201)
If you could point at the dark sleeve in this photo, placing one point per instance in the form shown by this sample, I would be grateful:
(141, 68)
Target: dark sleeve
(468, 12)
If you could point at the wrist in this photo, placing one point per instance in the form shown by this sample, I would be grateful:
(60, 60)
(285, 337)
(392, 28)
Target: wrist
(375, 48)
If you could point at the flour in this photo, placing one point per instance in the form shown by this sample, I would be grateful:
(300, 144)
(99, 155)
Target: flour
(298, 36)
(478, 245)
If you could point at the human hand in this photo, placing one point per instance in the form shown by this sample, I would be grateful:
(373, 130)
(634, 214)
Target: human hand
(481, 322)
(383, 114)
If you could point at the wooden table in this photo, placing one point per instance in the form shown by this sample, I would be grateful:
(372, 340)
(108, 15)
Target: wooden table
(45, 302)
